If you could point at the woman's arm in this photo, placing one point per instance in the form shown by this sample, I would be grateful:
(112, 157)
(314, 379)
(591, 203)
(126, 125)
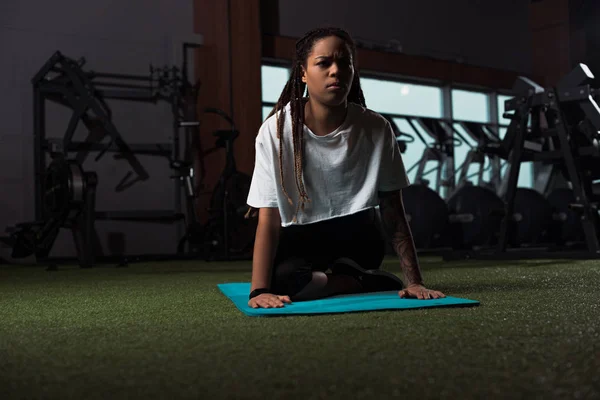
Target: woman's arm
(265, 247)
(398, 232)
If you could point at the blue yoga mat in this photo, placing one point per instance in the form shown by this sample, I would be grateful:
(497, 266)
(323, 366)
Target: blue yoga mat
(238, 294)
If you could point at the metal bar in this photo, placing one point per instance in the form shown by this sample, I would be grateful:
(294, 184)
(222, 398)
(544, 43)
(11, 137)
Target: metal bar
(592, 111)
(450, 163)
(460, 135)
(93, 74)
(142, 148)
(121, 85)
(127, 95)
(589, 218)
(39, 157)
(513, 178)
(558, 155)
(414, 128)
(578, 93)
(581, 74)
(547, 155)
(39, 76)
(73, 122)
(507, 142)
(175, 155)
(88, 220)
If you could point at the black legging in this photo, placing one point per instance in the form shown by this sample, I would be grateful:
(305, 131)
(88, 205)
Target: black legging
(314, 247)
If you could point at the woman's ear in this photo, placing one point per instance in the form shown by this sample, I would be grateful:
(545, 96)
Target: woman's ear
(303, 72)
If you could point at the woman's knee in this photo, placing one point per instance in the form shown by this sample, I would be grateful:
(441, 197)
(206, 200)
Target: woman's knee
(314, 288)
(290, 276)
(318, 280)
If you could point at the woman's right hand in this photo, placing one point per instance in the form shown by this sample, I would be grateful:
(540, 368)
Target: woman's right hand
(268, 300)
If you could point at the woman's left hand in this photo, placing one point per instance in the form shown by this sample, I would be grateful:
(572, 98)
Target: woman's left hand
(420, 292)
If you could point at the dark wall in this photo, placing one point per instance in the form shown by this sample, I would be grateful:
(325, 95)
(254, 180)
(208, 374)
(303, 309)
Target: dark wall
(586, 15)
(491, 33)
(113, 36)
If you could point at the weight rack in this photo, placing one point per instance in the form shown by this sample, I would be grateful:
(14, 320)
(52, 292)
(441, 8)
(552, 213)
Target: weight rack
(565, 121)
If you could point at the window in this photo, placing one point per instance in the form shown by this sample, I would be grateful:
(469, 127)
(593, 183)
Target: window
(273, 80)
(470, 106)
(266, 111)
(402, 98)
(414, 151)
(460, 156)
(416, 100)
(474, 107)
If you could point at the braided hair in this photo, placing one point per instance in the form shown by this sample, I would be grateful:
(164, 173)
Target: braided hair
(292, 93)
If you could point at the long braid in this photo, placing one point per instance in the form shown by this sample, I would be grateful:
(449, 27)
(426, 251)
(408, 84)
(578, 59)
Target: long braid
(292, 93)
(280, 119)
(297, 113)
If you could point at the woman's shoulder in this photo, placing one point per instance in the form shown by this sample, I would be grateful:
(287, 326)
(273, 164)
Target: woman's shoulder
(367, 117)
(268, 129)
(267, 132)
(269, 125)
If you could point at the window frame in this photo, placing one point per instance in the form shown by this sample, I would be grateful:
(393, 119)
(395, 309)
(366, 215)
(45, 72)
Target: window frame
(447, 113)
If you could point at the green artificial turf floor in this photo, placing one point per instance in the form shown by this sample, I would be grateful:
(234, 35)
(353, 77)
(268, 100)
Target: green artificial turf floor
(163, 330)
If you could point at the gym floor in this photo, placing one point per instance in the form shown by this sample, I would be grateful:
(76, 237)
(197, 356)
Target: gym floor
(163, 330)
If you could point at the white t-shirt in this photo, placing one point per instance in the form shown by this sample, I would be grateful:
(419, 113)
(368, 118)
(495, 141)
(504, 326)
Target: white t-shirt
(343, 170)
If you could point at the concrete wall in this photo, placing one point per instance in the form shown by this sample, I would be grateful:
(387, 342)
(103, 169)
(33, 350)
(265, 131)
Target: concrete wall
(113, 36)
(492, 33)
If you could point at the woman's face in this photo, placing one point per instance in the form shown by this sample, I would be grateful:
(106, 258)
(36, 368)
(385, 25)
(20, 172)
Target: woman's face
(329, 71)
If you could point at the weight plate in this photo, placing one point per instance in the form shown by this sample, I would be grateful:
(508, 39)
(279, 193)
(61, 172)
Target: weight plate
(566, 223)
(427, 214)
(532, 217)
(479, 211)
(63, 187)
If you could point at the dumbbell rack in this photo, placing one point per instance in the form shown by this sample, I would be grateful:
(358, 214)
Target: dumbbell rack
(564, 133)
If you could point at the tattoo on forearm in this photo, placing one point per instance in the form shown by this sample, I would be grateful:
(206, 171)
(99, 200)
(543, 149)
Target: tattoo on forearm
(398, 232)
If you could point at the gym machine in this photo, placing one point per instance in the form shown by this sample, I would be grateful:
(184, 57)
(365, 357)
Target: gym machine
(65, 193)
(484, 200)
(471, 214)
(565, 121)
(69, 202)
(452, 214)
(402, 138)
(429, 224)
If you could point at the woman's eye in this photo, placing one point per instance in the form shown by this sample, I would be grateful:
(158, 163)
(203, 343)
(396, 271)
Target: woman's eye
(343, 63)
